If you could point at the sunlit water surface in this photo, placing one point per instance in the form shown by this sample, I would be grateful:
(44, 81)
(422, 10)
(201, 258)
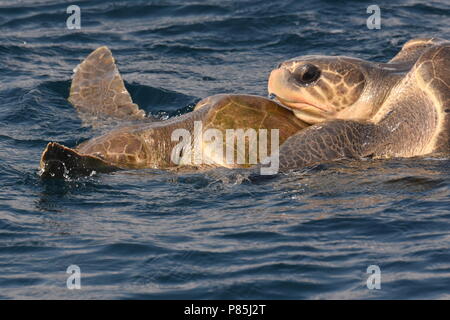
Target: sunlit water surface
(310, 234)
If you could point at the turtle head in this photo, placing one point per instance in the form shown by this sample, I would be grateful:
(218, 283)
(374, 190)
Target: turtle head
(320, 88)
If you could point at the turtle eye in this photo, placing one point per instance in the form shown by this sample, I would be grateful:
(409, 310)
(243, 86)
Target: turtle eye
(307, 74)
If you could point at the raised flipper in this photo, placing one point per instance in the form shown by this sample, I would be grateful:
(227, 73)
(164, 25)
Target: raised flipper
(331, 141)
(58, 161)
(98, 90)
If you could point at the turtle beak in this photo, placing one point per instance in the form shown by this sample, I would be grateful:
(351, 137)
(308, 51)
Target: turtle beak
(278, 80)
(282, 86)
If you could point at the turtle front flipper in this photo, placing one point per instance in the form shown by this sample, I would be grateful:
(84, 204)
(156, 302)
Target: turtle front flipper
(331, 141)
(98, 90)
(58, 161)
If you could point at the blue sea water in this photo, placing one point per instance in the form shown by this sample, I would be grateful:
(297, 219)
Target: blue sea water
(150, 234)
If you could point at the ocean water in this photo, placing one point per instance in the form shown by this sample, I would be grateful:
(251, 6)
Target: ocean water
(150, 234)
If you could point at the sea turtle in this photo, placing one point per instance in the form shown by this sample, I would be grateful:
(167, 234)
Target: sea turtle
(361, 109)
(98, 91)
(346, 108)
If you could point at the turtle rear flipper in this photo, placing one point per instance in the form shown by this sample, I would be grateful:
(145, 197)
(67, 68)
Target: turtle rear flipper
(58, 161)
(98, 90)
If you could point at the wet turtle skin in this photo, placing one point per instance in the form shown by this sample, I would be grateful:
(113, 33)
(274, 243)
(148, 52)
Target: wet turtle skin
(345, 108)
(150, 145)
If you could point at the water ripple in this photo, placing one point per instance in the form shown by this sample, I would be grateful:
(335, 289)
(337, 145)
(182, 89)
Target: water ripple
(310, 234)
